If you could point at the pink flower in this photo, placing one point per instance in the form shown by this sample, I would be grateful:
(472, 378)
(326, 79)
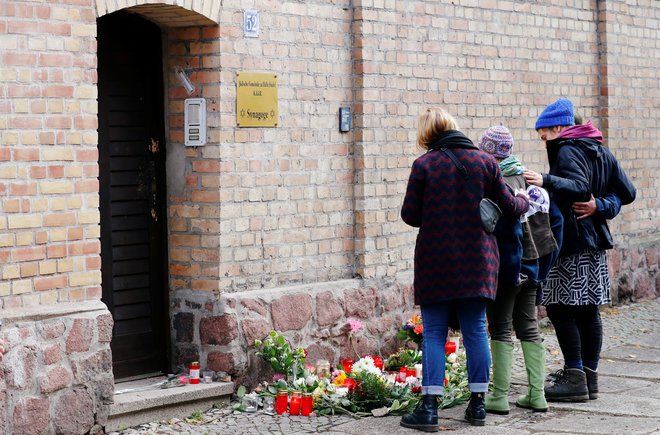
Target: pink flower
(355, 325)
(277, 377)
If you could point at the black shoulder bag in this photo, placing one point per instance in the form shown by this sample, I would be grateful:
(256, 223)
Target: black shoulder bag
(489, 212)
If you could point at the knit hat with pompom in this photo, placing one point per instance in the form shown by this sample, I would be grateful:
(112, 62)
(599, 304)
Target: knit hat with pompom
(497, 141)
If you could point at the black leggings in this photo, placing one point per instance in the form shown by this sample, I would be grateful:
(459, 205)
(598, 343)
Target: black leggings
(579, 333)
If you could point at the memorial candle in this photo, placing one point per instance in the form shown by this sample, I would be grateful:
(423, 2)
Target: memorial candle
(281, 401)
(296, 399)
(307, 403)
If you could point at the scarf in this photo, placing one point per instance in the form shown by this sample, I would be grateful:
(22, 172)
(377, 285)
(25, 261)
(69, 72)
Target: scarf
(511, 166)
(452, 139)
(582, 131)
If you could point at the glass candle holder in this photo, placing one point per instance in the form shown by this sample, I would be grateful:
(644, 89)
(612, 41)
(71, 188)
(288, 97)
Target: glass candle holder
(403, 373)
(281, 401)
(307, 404)
(269, 405)
(296, 402)
(207, 376)
(250, 403)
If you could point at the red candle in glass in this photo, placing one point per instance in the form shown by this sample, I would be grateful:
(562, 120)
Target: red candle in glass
(349, 383)
(450, 347)
(410, 371)
(403, 373)
(378, 362)
(294, 406)
(281, 401)
(348, 365)
(307, 403)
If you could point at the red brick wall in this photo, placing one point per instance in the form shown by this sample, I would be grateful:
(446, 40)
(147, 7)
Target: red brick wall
(49, 246)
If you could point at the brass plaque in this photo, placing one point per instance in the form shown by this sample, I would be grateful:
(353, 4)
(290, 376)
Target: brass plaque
(256, 100)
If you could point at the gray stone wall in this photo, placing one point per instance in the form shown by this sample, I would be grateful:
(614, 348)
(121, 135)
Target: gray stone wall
(219, 332)
(56, 375)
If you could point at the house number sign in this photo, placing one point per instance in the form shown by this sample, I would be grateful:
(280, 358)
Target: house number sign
(251, 23)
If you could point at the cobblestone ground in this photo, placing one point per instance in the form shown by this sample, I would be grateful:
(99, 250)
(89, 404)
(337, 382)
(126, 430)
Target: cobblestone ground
(618, 323)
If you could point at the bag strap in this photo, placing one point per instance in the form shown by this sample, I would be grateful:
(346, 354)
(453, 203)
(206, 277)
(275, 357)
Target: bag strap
(459, 165)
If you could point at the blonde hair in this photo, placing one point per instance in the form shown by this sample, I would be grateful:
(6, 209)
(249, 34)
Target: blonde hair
(432, 122)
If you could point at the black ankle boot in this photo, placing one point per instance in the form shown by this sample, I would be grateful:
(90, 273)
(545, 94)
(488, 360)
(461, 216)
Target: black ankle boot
(425, 416)
(476, 411)
(592, 382)
(569, 386)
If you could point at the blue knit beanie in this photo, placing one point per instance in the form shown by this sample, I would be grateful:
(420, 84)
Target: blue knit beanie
(558, 113)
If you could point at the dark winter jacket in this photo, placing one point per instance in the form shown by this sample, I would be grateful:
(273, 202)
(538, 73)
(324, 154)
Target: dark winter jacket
(522, 242)
(579, 168)
(454, 257)
(509, 235)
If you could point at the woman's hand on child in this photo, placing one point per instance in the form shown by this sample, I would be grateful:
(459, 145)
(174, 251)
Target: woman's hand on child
(533, 178)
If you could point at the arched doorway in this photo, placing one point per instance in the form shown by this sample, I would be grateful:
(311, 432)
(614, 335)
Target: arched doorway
(132, 192)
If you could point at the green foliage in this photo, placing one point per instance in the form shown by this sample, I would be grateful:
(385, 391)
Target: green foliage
(456, 390)
(276, 350)
(403, 358)
(196, 417)
(240, 405)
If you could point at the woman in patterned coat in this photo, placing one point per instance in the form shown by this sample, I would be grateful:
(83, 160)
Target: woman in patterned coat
(581, 169)
(456, 261)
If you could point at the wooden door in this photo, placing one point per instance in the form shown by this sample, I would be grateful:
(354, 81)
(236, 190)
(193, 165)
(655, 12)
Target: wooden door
(132, 192)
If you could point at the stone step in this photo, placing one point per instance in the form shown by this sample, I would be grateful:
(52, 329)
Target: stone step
(143, 401)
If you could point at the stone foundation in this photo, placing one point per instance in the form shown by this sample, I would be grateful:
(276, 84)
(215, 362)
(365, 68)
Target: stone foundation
(56, 375)
(220, 332)
(635, 272)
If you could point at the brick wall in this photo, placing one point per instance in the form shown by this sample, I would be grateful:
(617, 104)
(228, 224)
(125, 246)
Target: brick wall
(49, 219)
(260, 209)
(265, 207)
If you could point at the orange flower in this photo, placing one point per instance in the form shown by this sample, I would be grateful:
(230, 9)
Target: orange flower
(419, 329)
(416, 319)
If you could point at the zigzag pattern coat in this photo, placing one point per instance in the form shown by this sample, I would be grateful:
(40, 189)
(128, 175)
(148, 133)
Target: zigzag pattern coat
(454, 257)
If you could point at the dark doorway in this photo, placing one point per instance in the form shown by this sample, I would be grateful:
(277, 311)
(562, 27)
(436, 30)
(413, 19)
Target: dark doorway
(132, 192)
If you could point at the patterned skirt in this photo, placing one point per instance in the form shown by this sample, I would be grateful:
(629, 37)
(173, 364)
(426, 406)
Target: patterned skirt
(578, 279)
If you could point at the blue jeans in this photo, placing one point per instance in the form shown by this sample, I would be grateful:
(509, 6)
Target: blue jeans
(472, 317)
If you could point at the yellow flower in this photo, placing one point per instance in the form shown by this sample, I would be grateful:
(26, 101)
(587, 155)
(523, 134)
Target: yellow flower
(339, 380)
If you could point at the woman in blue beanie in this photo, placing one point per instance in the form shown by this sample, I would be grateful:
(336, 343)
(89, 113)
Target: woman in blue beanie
(581, 169)
(456, 260)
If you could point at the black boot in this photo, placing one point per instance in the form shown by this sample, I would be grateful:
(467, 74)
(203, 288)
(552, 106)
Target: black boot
(592, 382)
(425, 416)
(570, 385)
(476, 411)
